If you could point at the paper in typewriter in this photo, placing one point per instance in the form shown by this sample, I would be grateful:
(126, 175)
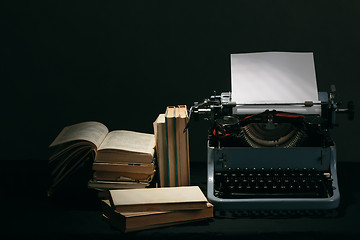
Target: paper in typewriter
(273, 77)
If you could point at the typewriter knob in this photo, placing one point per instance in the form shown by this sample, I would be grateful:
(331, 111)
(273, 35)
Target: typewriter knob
(349, 110)
(227, 124)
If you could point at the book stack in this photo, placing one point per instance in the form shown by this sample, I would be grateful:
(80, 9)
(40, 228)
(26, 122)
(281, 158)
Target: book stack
(138, 209)
(122, 159)
(172, 147)
(128, 175)
(131, 167)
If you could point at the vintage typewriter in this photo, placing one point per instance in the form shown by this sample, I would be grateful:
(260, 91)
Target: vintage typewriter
(271, 156)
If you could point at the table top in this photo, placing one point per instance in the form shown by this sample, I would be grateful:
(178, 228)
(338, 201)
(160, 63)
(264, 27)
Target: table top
(76, 213)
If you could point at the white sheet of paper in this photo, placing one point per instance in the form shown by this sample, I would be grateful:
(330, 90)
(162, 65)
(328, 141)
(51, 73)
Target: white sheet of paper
(273, 77)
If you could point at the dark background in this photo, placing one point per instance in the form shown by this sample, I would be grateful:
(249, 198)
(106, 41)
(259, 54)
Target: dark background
(122, 62)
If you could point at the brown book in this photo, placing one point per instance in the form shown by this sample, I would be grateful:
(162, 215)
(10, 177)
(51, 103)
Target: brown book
(158, 199)
(161, 149)
(171, 146)
(120, 167)
(182, 146)
(123, 172)
(123, 176)
(109, 185)
(121, 227)
(135, 221)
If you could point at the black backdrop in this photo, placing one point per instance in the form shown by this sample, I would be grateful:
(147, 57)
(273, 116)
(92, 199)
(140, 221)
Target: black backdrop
(122, 62)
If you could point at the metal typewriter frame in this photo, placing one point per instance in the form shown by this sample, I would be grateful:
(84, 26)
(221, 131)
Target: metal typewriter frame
(322, 158)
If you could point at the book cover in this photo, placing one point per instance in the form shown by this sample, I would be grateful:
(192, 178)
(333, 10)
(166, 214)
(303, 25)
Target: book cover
(161, 149)
(135, 221)
(158, 199)
(171, 145)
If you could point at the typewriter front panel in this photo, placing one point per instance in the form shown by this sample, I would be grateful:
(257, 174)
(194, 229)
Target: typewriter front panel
(271, 158)
(272, 178)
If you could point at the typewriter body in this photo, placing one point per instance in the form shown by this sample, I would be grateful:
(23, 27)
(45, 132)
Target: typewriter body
(277, 156)
(270, 160)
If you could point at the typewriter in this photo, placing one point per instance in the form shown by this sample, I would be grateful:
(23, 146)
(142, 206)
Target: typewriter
(277, 156)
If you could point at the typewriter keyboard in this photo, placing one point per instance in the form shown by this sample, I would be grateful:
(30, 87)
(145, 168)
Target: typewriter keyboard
(273, 183)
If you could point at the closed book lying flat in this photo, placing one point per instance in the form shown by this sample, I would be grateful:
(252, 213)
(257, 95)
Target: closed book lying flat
(158, 199)
(145, 227)
(121, 167)
(107, 185)
(134, 221)
(123, 176)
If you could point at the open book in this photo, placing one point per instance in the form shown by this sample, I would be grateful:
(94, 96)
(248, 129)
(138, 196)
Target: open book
(77, 143)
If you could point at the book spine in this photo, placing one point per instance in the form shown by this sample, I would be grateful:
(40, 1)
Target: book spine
(187, 150)
(159, 130)
(175, 149)
(167, 145)
(184, 168)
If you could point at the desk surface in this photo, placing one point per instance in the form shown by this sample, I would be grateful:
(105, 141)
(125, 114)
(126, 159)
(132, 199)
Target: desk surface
(76, 213)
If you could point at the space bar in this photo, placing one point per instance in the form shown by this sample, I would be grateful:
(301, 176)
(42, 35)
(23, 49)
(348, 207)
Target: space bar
(275, 195)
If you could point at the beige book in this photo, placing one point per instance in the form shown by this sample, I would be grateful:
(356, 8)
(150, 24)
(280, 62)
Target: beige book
(117, 146)
(123, 172)
(75, 143)
(134, 221)
(161, 150)
(123, 176)
(121, 167)
(182, 146)
(177, 150)
(158, 199)
(123, 146)
(107, 185)
(171, 145)
(120, 225)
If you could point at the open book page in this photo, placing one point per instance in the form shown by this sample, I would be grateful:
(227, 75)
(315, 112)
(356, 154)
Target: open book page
(129, 141)
(93, 132)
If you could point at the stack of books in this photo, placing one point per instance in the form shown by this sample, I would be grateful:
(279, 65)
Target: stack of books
(122, 175)
(172, 147)
(138, 209)
(125, 160)
(122, 159)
